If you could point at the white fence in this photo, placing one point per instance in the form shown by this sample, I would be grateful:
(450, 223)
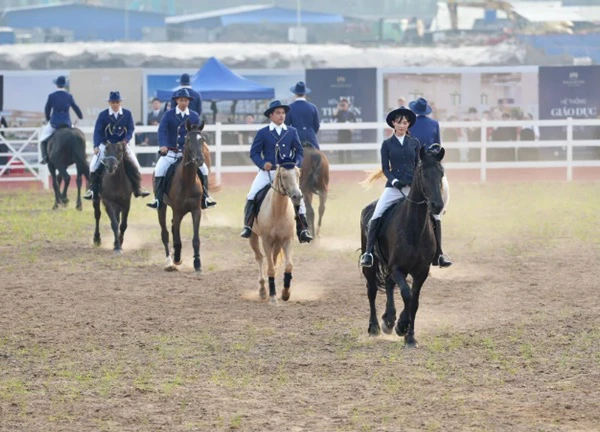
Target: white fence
(19, 149)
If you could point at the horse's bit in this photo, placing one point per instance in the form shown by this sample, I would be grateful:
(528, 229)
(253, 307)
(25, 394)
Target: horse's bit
(282, 191)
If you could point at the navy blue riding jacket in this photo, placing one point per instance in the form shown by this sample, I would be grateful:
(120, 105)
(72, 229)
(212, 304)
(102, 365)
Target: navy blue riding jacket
(304, 116)
(270, 147)
(399, 161)
(426, 130)
(172, 131)
(57, 108)
(113, 129)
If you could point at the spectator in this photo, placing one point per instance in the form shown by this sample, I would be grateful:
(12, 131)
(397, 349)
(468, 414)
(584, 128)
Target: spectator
(155, 116)
(401, 102)
(344, 115)
(247, 137)
(530, 132)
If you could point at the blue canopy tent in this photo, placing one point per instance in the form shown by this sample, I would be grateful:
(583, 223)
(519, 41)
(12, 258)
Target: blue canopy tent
(216, 82)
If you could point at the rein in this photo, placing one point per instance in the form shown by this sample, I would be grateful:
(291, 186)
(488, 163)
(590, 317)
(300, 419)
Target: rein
(186, 140)
(280, 192)
(425, 201)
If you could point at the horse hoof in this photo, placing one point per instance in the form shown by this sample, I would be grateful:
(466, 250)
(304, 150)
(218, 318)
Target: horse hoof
(411, 343)
(401, 329)
(262, 293)
(197, 265)
(170, 268)
(55, 206)
(79, 207)
(387, 328)
(178, 263)
(273, 300)
(97, 242)
(198, 269)
(374, 329)
(118, 252)
(285, 294)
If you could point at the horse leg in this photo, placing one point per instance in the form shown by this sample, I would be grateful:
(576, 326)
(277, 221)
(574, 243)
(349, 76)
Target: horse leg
(196, 216)
(322, 201)
(175, 231)
(310, 211)
(124, 217)
(79, 182)
(67, 178)
(414, 305)
(258, 256)
(389, 316)
(374, 329)
(268, 248)
(55, 185)
(287, 275)
(404, 323)
(164, 234)
(113, 214)
(97, 214)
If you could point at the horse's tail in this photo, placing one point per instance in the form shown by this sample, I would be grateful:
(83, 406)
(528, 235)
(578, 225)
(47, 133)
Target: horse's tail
(79, 156)
(372, 177)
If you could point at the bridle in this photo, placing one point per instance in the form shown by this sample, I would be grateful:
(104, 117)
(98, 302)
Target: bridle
(187, 135)
(280, 188)
(121, 146)
(419, 172)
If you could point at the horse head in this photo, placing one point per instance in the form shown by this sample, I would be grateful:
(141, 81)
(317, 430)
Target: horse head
(429, 176)
(194, 143)
(288, 182)
(113, 156)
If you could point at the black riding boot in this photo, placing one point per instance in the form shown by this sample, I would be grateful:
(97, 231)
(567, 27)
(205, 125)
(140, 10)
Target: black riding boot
(248, 219)
(158, 193)
(207, 201)
(302, 227)
(92, 192)
(439, 259)
(44, 146)
(367, 259)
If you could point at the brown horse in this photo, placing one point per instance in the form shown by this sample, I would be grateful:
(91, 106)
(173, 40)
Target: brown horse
(314, 180)
(275, 225)
(116, 191)
(185, 196)
(67, 147)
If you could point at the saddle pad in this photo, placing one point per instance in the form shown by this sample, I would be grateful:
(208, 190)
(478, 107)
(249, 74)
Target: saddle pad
(170, 174)
(259, 198)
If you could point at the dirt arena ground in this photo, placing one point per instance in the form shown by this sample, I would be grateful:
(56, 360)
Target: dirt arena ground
(509, 336)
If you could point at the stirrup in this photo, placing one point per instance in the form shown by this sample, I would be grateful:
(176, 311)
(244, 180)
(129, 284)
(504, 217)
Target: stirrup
(443, 262)
(366, 260)
(44, 161)
(209, 202)
(154, 204)
(246, 232)
(141, 193)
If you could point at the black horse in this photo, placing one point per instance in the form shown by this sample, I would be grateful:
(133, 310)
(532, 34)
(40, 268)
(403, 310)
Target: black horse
(119, 180)
(67, 147)
(406, 245)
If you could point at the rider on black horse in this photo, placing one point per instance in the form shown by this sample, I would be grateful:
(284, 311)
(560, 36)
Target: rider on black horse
(57, 114)
(113, 125)
(304, 116)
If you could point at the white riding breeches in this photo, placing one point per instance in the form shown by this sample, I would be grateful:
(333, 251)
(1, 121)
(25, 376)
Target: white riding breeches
(46, 132)
(391, 194)
(264, 178)
(98, 158)
(164, 162)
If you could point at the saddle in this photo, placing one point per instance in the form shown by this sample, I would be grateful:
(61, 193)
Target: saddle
(385, 221)
(259, 198)
(170, 174)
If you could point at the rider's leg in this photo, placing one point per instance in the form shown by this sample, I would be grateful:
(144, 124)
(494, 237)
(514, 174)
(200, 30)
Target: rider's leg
(139, 190)
(389, 195)
(261, 180)
(44, 138)
(160, 170)
(203, 174)
(92, 192)
(302, 224)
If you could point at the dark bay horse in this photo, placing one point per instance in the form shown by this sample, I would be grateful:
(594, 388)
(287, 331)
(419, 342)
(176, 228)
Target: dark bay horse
(115, 191)
(185, 196)
(275, 225)
(314, 180)
(406, 245)
(67, 147)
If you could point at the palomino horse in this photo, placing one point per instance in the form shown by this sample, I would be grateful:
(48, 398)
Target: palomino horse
(275, 225)
(116, 190)
(185, 196)
(67, 147)
(314, 179)
(406, 245)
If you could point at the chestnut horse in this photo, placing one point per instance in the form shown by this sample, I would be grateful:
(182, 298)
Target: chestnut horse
(185, 196)
(275, 225)
(314, 180)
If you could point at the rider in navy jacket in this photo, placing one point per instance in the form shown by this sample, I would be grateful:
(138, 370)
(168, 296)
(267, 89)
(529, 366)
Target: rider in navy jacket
(425, 129)
(196, 102)
(304, 116)
(171, 130)
(274, 144)
(57, 113)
